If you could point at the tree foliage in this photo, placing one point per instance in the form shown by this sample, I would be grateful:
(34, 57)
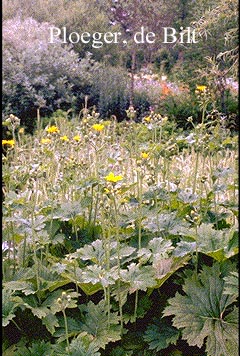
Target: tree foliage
(38, 74)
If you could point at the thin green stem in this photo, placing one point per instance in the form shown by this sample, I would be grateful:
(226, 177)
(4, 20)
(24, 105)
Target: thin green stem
(195, 172)
(136, 305)
(139, 210)
(66, 329)
(196, 267)
(118, 261)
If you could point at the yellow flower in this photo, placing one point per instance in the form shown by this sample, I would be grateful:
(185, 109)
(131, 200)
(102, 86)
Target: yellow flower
(64, 138)
(112, 178)
(98, 127)
(45, 140)
(201, 87)
(147, 119)
(8, 142)
(144, 155)
(77, 138)
(21, 130)
(52, 129)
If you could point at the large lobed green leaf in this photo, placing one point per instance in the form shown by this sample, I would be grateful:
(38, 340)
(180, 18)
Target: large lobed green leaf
(104, 328)
(204, 312)
(160, 336)
(218, 244)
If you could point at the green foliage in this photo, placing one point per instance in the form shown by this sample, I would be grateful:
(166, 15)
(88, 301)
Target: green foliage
(179, 107)
(231, 284)
(102, 327)
(91, 264)
(205, 312)
(8, 307)
(40, 348)
(82, 345)
(60, 79)
(219, 244)
(110, 91)
(159, 337)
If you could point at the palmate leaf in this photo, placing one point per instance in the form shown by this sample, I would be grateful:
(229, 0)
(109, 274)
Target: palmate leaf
(157, 248)
(187, 196)
(120, 351)
(224, 340)
(143, 306)
(164, 222)
(138, 277)
(203, 312)
(165, 267)
(184, 248)
(82, 345)
(40, 348)
(26, 287)
(95, 274)
(96, 252)
(97, 323)
(8, 307)
(28, 225)
(68, 211)
(89, 288)
(231, 284)
(159, 337)
(160, 247)
(51, 322)
(218, 244)
(74, 328)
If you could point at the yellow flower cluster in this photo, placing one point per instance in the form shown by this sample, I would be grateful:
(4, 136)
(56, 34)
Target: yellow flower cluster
(201, 88)
(64, 138)
(144, 155)
(147, 118)
(112, 178)
(52, 129)
(98, 127)
(8, 142)
(77, 138)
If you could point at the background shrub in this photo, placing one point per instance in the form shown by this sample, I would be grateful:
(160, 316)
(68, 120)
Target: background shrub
(179, 107)
(110, 91)
(37, 74)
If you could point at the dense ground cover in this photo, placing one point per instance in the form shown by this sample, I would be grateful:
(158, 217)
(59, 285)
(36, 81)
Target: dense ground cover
(120, 239)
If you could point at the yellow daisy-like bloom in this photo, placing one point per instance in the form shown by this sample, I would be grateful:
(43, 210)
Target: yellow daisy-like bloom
(147, 119)
(98, 127)
(144, 155)
(64, 138)
(112, 178)
(77, 138)
(201, 87)
(52, 129)
(8, 142)
(45, 140)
